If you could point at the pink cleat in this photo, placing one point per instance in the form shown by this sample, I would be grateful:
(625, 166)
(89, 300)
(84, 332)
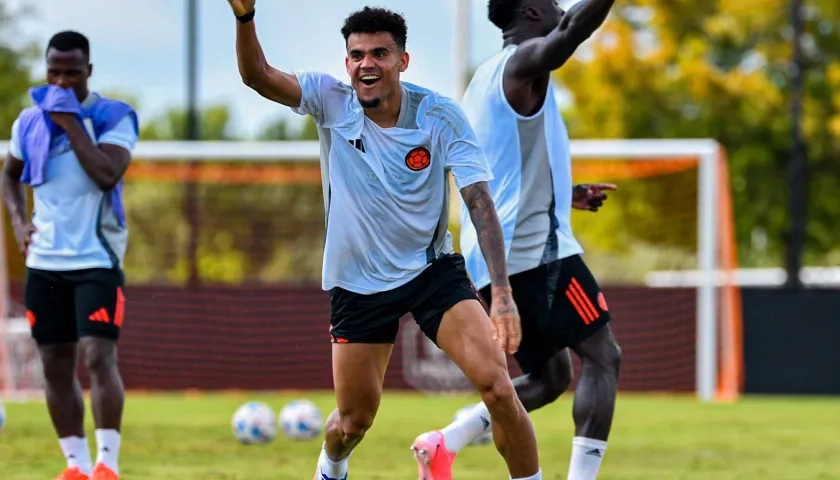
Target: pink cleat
(434, 461)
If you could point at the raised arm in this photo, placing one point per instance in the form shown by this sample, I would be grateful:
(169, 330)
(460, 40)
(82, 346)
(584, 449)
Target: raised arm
(542, 55)
(256, 73)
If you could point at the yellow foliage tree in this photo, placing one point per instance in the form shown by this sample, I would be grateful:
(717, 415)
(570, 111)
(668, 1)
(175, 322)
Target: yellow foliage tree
(686, 69)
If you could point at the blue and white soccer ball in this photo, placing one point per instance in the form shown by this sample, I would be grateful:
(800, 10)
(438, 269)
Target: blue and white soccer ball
(2, 415)
(301, 420)
(485, 439)
(254, 423)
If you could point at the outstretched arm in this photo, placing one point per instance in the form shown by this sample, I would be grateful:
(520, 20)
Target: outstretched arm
(256, 73)
(541, 55)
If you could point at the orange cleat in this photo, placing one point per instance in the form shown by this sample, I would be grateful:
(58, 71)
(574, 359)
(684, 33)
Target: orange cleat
(72, 474)
(102, 472)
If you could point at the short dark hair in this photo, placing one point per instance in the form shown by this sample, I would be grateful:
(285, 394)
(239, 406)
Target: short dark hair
(374, 20)
(69, 40)
(503, 12)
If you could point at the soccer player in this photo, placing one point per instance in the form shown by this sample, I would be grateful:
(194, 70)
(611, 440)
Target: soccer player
(72, 148)
(387, 147)
(511, 106)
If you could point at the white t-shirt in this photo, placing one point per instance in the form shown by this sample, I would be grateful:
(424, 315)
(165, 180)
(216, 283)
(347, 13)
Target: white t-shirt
(385, 189)
(76, 227)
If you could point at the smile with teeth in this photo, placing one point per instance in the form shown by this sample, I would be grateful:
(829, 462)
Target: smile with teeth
(369, 79)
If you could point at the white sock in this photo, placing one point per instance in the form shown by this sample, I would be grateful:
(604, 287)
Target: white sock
(336, 470)
(460, 433)
(587, 454)
(108, 448)
(536, 476)
(76, 452)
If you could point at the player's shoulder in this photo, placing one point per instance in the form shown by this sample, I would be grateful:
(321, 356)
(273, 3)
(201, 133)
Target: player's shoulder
(323, 81)
(436, 110)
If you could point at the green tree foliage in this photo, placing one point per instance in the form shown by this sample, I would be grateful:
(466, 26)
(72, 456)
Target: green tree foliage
(281, 129)
(685, 69)
(16, 61)
(214, 124)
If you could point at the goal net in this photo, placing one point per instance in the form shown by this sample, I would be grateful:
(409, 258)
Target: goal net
(224, 262)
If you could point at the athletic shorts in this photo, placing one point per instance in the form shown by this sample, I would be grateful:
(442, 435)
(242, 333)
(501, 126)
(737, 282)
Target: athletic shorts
(375, 318)
(63, 306)
(560, 305)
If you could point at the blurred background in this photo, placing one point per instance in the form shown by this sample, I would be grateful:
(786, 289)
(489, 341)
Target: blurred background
(224, 258)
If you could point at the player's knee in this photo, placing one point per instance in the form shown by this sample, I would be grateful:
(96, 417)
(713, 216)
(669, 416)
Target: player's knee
(59, 363)
(557, 384)
(355, 425)
(496, 388)
(98, 355)
(612, 358)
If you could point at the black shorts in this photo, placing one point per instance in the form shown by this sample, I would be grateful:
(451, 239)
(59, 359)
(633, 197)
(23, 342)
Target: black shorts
(63, 306)
(375, 318)
(560, 305)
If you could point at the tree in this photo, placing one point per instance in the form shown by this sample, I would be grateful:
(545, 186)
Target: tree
(678, 68)
(280, 129)
(16, 62)
(172, 124)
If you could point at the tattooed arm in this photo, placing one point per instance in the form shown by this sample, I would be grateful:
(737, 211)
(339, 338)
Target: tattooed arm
(489, 231)
(503, 311)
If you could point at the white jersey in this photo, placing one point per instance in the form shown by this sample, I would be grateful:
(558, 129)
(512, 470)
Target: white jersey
(532, 169)
(76, 227)
(386, 193)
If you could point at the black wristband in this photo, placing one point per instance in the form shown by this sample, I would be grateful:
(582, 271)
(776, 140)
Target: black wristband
(247, 17)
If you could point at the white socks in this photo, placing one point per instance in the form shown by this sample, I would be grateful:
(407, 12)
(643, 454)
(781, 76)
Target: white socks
(77, 454)
(537, 476)
(108, 448)
(332, 469)
(587, 454)
(461, 432)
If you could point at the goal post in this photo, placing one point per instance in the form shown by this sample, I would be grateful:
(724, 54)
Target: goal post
(250, 169)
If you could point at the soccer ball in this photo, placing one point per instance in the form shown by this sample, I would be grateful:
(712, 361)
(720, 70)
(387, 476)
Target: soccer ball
(253, 423)
(2, 416)
(301, 420)
(485, 439)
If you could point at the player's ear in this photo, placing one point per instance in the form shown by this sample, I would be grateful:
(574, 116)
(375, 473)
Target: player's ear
(404, 58)
(90, 69)
(532, 13)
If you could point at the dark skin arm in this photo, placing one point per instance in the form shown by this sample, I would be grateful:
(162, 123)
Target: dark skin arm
(14, 196)
(105, 164)
(527, 72)
(503, 311)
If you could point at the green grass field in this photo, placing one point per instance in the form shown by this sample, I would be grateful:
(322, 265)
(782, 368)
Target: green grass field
(654, 437)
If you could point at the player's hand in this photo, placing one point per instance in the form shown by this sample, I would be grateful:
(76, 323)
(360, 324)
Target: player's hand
(62, 119)
(507, 329)
(590, 196)
(241, 7)
(23, 235)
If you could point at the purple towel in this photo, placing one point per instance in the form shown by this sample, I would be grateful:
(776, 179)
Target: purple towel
(36, 131)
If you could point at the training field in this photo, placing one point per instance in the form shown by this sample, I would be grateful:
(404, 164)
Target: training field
(188, 437)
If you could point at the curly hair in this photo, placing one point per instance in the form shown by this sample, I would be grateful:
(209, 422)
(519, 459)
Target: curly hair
(503, 12)
(374, 20)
